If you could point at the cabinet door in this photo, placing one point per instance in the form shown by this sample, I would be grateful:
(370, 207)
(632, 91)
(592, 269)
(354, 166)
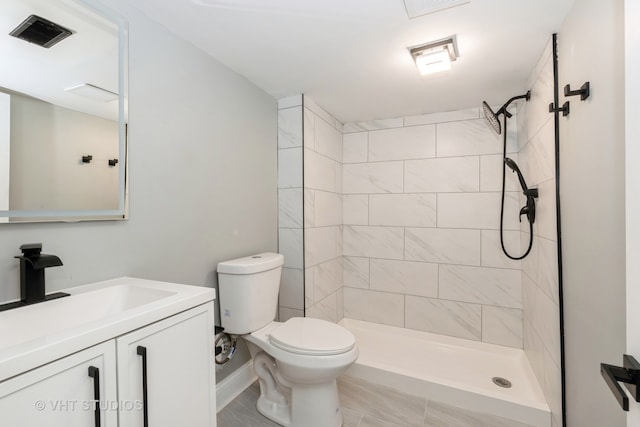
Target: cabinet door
(170, 361)
(63, 393)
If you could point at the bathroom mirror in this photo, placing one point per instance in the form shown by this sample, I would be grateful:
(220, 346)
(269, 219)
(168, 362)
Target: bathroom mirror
(63, 111)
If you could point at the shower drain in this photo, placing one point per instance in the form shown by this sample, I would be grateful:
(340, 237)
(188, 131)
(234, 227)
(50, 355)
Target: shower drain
(501, 382)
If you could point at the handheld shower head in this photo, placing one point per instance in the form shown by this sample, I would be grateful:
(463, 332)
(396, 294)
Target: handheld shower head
(514, 167)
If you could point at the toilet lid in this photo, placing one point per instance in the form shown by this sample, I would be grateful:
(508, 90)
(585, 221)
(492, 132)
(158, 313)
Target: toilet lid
(304, 335)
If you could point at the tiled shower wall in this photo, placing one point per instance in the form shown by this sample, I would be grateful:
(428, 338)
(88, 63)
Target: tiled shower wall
(421, 218)
(290, 199)
(322, 213)
(540, 268)
(310, 210)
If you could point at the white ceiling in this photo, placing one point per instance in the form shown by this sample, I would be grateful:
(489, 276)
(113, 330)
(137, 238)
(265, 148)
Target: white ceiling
(351, 56)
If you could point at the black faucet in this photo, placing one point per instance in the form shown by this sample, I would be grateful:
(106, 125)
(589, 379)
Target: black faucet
(32, 265)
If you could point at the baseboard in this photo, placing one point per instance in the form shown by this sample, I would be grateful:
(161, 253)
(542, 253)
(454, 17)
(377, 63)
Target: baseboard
(237, 382)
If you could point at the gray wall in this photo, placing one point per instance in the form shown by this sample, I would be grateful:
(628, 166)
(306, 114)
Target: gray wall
(590, 45)
(202, 175)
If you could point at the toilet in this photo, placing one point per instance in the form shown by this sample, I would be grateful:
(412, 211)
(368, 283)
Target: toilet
(297, 361)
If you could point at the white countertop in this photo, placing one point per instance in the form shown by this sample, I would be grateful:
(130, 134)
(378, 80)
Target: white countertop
(37, 334)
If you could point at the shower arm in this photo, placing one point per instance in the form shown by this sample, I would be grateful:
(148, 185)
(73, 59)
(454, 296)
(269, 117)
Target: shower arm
(503, 109)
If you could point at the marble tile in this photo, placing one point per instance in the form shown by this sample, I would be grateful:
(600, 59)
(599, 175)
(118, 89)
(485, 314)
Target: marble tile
(529, 264)
(404, 277)
(397, 122)
(290, 168)
(538, 156)
(340, 303)
(502, 326)
(290, 208)
(443, 245)
(327, 278)
(372, 306)
(326, 309)
(545, 225)
(309, 285)
(472, 137)
(376, 242)
(453, 174)
(416, 142)
(355, 147)
(289, 101)
(548, 268)
(327, 209)
(541, 96)
(313, 106)
(286, 313)
(370, 421)
(290, 127)
(242, 411)
(529, 292)
(382, 177)
(309, 130)
(492, 254)
(328, 140)
(443, 317)
(553, 385)
(534, 349)
(491, 173)
(381, 403)
(546, 321)
(481, 285)
(319, 171)
(290, 245)
(292, 288)
(339, 178)
(441, 117)
(321, 244)
(478, 210)
(355, 272)
(404, 210)
(444, 415)
(355, 209)
(350, 418)
(309, 207)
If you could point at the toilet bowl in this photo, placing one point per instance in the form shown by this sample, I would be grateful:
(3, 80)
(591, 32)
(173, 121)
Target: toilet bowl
(297, 361)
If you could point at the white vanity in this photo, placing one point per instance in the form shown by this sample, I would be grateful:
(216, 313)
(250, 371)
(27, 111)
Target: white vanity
(142, 349)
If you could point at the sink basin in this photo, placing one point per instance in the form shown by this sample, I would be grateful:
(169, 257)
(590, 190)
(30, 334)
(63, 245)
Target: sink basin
(42, 319)
(36, 334)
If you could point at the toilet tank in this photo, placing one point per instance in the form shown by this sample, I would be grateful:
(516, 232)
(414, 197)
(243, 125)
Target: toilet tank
(248, 292)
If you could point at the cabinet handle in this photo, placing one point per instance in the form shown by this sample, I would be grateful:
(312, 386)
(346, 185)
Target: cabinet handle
(142, 351)
(95, 374)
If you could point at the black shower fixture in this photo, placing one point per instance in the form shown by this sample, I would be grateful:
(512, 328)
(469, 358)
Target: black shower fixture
(531, 194)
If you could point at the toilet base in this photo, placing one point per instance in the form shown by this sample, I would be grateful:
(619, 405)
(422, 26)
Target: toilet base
(315, 405)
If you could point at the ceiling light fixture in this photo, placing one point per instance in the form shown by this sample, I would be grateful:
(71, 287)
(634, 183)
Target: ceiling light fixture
(436, 56)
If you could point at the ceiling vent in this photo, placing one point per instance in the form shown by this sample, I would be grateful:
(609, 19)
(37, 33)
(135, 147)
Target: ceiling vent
(417, 8)
(40, 31)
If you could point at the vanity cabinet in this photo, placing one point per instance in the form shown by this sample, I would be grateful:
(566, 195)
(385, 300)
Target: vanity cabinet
(168, 366)
(63, 393)
(161, 374)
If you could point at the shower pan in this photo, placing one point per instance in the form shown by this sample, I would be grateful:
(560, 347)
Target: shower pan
(529, 209)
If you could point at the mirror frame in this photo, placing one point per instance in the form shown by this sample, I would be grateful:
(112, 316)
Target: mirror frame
(121, 213)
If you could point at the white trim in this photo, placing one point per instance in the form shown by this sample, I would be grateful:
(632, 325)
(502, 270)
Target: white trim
(237, 382)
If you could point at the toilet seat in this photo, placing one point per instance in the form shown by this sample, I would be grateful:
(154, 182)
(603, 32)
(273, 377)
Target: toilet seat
(313, 337)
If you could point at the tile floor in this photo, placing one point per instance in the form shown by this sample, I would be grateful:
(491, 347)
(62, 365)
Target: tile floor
(370, 405)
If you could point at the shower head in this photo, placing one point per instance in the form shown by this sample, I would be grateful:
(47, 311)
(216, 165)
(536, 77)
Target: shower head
(491, 118)
(514, 167)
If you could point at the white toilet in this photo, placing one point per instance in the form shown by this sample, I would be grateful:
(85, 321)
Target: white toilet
(298, 361)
